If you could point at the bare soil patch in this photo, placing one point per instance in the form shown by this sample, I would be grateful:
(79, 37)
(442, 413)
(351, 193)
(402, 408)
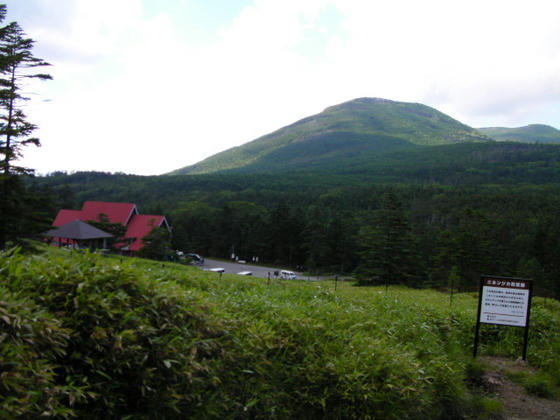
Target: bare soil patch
(518, 405)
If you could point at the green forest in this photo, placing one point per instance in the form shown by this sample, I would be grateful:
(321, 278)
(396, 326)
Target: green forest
(398, 203)
(450, 213)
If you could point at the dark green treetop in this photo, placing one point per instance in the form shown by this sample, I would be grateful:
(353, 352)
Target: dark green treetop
(17, 65)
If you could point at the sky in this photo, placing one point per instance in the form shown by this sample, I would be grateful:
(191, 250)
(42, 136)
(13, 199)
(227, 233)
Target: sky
(149, 86)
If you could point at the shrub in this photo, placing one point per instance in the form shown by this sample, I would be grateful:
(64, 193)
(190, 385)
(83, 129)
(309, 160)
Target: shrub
(132, 343)
(539, 385)
(139, 339)
(30, 342)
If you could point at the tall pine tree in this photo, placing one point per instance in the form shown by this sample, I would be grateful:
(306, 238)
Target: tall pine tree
(17, 66)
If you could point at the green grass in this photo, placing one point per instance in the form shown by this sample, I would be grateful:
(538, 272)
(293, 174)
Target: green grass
(138, 338)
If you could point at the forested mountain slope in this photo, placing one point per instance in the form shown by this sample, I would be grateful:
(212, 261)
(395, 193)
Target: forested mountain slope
(342, 135)
(533, 133)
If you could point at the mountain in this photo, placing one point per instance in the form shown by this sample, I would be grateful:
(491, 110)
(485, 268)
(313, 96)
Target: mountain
(533, 133)
(341, 135)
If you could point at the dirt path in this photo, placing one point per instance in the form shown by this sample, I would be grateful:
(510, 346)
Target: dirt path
(518, 405)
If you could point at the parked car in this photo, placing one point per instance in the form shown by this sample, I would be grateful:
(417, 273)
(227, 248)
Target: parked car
(245, 273)
(217, 270)
(196, 259)
(287, 275)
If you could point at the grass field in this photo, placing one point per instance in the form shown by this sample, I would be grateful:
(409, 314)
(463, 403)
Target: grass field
(91, 336)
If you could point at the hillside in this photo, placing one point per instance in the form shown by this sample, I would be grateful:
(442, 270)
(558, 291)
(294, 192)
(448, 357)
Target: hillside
(90, 337)
(533, 133)
(345, 134)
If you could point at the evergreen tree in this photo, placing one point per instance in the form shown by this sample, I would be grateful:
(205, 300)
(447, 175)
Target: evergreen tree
(341, 241)
(17, 65)
(476, 253)
(283, 237)
(116, 229)
(388, 247)
(157, 245)
(315, 239)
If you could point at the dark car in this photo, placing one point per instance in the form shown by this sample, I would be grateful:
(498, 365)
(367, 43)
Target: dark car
(196, 259)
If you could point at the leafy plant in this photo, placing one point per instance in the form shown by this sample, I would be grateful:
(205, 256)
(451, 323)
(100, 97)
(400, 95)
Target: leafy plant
(138, 338)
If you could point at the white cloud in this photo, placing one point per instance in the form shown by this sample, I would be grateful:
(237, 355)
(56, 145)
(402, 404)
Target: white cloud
(133, 94)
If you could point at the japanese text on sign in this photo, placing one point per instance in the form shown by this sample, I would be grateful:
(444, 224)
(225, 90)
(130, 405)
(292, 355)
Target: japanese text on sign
(504, 302)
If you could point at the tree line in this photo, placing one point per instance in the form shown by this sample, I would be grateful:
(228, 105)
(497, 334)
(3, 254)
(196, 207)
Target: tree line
(422, 235)
(424, 217)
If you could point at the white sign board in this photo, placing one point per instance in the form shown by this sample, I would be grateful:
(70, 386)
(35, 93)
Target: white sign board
(505, 301)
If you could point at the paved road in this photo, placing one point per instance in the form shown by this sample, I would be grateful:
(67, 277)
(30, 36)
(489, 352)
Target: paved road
(234, 268)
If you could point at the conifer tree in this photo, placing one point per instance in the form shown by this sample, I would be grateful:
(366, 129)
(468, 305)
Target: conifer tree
(388, 247)
(17, 66)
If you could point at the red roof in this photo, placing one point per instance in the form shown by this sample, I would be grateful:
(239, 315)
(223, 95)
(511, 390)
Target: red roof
(116, 212)
(140, 225)
(66, 216)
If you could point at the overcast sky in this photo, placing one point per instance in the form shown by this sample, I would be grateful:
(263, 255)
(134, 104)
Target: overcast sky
(149, 86)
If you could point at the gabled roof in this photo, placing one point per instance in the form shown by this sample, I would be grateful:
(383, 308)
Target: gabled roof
(140, 225)
(66, 216)
(76, 229)
(116, 212)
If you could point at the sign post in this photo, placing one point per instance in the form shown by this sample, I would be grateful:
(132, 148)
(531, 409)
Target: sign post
(504, 301)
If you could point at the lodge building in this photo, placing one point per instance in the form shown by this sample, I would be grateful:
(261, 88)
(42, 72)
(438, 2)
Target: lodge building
(137, 225)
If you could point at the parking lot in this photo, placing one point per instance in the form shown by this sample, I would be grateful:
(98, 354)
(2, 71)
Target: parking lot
(235, 268)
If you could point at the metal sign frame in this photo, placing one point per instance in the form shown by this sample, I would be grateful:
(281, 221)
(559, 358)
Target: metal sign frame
(504, 301)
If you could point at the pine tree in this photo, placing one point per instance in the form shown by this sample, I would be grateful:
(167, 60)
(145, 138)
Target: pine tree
(315, 239)
(388, 247)
(17, 65)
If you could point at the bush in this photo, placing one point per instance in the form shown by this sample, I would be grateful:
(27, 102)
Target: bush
(539, 385)
(130, 342)
(140, 339)
(30, 342)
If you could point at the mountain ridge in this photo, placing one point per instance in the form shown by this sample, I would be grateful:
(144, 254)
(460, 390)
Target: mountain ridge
(532, 133)
(350, 131)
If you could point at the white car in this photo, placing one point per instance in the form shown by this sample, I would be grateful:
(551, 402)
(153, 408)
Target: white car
(287, 275)
(217, 270)
(245, 273)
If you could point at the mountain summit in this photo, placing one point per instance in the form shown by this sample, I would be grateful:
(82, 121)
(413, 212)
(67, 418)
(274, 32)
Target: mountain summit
(341, 135)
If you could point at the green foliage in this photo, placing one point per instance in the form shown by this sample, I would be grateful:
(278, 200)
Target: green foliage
(31, 340)
(25, 211)
(474, 371)
(17, 66)
(156, 244)
(504, 227)
(133, 338)
(361, 129)
(16, 61)
(533, 133)
(540, 385)
(116, 229)
(543, 383)
(193, 227)
(490, 408)
(130, 340)
(388, 247)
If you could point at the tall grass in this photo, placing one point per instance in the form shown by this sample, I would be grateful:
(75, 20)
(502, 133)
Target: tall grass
(135, 338)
